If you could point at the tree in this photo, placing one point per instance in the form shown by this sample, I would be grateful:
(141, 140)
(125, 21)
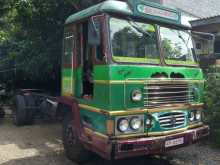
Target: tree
(31, 32)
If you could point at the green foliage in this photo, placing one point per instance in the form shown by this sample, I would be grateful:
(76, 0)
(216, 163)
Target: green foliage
(169, 50)
(212, 113)
(216, 137)
(31, 33)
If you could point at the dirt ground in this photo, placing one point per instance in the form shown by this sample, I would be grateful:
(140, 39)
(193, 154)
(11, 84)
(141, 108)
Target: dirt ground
(41, 144)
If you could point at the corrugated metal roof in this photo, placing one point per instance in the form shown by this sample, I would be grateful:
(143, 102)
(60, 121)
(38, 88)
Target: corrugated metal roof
(199, 8)
(206, 21)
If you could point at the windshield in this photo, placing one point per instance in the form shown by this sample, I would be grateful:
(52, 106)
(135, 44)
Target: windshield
(133, 42)
(177, 47)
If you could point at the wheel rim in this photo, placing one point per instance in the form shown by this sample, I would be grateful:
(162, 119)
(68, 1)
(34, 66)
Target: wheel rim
(70, 135)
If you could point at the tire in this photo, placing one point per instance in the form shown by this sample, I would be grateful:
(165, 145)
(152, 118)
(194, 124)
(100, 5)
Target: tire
(23, 115)
(2, 113)
(73, 148)
(30, 112)
(19, 115)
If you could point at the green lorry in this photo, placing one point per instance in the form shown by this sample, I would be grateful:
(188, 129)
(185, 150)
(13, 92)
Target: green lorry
(131, 83)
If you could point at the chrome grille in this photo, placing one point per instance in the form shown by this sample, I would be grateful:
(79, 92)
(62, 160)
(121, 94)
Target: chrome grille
(157, 94)
(172, 120)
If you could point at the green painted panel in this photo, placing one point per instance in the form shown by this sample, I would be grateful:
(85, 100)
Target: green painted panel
(101, 96)
(101, 72)
(122, 72)
(117, 97)
(96, 122)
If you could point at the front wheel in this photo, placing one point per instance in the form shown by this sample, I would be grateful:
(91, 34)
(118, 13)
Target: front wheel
(73, 148)
(23, 110)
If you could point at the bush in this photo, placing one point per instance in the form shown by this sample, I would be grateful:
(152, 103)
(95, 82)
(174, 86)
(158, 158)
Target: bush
(215, 137)
(212, 102)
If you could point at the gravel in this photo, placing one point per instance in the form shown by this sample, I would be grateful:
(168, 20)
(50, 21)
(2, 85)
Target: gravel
(41, 144)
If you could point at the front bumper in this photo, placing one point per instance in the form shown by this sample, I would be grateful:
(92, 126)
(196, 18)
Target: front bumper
(156, 145)
(124, 148)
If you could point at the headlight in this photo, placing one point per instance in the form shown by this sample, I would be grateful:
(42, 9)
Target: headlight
(135, 123)
(123, 125)
(198, 115)
(192, 116)
(136, 95)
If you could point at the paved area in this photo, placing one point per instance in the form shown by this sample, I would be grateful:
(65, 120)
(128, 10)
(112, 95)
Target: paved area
(41, 144)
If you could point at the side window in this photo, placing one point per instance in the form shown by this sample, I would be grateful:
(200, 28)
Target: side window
(68, 47)
(99, 55)
(68, 88)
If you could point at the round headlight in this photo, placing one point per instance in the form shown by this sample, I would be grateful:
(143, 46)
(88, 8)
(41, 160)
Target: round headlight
(198, 115)
(192, 116)
(123, 125)
(136, 95)
(136, 123)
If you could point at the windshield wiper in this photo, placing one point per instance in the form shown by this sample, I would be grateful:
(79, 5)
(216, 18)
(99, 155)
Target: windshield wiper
(184, 41)
(138, 28)
(186, 44)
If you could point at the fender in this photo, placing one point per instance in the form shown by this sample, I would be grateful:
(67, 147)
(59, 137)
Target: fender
(74, 105)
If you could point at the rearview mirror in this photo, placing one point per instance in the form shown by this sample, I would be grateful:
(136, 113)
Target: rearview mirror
(94, 32)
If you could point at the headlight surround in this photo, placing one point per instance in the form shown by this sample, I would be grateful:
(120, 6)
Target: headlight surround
(136, 123)
(123, 125)
(129, 124)
(195, 116)
(136, 95)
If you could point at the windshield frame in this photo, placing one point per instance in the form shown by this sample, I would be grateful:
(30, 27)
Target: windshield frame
(158, 42)
(136, 20)
(193, 44)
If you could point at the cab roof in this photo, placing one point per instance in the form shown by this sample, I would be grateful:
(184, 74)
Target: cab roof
(110, 6)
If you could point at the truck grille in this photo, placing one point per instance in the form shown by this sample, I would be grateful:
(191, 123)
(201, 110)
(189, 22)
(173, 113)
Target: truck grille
(167, 93)
(172, 120)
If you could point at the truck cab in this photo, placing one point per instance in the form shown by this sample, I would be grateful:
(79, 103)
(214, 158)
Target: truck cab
(131, 83)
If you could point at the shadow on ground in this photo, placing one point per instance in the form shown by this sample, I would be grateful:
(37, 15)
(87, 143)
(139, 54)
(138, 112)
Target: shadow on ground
(61, 160)
(41, 144)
